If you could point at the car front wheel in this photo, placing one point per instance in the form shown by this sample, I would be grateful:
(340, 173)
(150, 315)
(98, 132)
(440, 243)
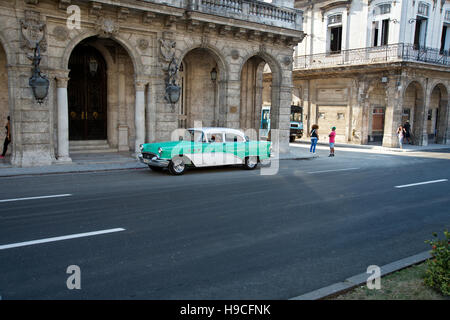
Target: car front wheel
(251, 162)
(177, 166)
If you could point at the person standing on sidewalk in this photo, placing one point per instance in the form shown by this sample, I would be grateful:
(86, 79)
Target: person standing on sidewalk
(332, 137)
(401, 135)
(407, 128)
(7, 138)
(314, 138)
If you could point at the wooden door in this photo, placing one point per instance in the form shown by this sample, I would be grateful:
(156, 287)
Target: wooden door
(87, 94)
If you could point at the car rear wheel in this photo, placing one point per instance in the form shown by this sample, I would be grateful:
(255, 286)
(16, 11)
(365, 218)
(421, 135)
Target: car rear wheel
(251, 162)
(177, 166)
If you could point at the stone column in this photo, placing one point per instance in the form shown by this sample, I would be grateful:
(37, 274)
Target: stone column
(234, 104)
(446, 128)
(140, 113)
(63, 120)
(422, 136)
(393, 115)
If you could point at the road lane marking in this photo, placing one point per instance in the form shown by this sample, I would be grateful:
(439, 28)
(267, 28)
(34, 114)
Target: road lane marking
(333, 170)
(420, 183)
(71, 236)
(34, 198)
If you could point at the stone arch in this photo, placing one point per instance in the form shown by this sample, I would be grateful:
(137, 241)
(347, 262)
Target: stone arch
(220, 59)
(414, 106)
(10, 57)
(438, 102)
(5, 95)
(134, 55)
(199, 90)
(251, 90)
(376, 96)
(117, 93)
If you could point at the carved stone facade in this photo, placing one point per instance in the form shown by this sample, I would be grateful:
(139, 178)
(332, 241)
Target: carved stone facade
(125, 50)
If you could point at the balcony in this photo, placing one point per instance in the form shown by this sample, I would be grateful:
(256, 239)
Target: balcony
(246, 10)
(391, 53)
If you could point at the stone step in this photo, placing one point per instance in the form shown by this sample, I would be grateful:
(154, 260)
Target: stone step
(90, 146)
(87, 142)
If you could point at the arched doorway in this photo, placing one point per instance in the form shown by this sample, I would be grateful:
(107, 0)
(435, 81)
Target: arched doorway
(377, 111)
(101, 97)
(4, 101)
(87, 94)
(413, 111)
(438, 114)
(257, 111)
(202, 83)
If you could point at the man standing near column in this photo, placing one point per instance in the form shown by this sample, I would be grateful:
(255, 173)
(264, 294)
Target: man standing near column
(7, 138)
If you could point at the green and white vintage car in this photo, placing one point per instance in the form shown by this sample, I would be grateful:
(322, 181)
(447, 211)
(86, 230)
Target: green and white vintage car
(204, 147)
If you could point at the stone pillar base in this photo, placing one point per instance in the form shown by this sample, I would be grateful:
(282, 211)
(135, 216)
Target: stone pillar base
(63, 160)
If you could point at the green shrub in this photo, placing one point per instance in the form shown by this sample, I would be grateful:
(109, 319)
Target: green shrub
(438, 272)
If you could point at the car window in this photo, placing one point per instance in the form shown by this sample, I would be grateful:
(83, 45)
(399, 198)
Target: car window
(215, 137)
(194, 135)
(233, 137)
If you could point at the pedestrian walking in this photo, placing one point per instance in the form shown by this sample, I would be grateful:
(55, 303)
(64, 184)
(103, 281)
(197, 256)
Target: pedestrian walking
(401, 135)
(407, 128)
(314, 138)
(332, 137)
(7, 138)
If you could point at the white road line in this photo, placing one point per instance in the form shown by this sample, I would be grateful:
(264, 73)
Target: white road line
(72, 236)
(34, 198)
(334, 170)
(420, 183)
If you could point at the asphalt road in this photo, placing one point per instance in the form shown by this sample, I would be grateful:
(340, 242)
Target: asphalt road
(223, 233)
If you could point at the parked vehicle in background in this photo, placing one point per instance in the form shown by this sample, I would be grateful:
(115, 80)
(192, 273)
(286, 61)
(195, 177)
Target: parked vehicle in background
(265, 121)
(296, 127)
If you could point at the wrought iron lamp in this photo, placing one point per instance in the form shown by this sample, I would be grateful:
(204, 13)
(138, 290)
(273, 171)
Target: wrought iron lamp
(213, 75)
(38, 82)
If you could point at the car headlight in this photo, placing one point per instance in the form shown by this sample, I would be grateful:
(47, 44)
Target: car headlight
(160, 150)
(141, 147)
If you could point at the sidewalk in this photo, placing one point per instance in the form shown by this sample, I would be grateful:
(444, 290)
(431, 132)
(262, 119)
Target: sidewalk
(80, 163)
(94, 162)
(376, 147)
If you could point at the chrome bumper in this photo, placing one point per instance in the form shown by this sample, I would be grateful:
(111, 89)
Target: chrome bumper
(155, 161)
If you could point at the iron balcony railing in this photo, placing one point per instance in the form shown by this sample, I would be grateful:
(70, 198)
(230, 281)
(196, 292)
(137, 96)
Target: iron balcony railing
(390, 53)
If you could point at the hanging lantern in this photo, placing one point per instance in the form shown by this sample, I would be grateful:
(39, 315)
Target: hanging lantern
(93, 66)
(38, 82)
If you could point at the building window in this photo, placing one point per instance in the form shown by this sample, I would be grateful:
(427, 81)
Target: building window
(424, 9)
(445, 39)
(335, 33)
(382, 9)
(383, 38)
(447, 15)
(335, 18)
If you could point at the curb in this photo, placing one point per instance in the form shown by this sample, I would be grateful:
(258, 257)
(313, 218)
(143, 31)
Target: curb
(25, 174)
(22, 174)
(377, 148)
(359, 279)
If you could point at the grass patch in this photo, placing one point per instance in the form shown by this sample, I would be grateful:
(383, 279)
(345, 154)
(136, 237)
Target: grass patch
(406, 284)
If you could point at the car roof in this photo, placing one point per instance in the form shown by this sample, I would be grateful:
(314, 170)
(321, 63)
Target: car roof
(218, 129)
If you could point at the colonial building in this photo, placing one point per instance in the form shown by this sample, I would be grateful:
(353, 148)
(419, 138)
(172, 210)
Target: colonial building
(121, 73)
(368, 66)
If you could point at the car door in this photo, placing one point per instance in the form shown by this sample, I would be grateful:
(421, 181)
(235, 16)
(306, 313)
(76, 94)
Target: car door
(212, 150)
(234, 148)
